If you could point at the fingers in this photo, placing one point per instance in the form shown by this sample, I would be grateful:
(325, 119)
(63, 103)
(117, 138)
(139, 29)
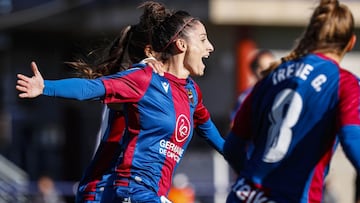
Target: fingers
(159, 67)
(21, 88)
(156, 66)
(23, 77)
(161, 73)
(153, 66)
(23, 95)
(35, 69)
(22, 83)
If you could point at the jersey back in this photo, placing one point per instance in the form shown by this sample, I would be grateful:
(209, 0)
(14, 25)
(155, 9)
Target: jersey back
(292, 117)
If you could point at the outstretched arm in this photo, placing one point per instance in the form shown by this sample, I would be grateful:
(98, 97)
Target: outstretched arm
(72, 88)
(211, 134)
(30, 87)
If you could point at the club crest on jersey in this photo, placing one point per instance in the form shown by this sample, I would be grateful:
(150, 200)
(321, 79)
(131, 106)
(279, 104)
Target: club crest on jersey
(182, 128)
(191, 96)
(165, 85)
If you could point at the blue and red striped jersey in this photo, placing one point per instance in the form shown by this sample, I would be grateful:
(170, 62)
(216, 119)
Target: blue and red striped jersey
(291, 123)
(161, 113)
(106, 154)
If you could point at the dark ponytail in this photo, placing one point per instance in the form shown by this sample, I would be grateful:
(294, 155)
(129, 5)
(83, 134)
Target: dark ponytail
(127, 48)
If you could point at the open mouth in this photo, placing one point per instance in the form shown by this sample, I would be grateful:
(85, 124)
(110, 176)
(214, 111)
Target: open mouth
(205, 57)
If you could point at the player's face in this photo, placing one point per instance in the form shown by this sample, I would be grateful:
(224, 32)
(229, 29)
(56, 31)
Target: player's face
(199, 47)
(264, 63)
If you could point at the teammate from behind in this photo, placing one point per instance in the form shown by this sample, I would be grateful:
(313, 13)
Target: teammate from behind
(288, 128)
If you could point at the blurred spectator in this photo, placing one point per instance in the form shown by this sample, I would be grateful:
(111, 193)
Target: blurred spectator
(260, 61)
(181, 190)
(47, 192)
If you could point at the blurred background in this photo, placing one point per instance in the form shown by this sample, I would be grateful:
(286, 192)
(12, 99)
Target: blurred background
(56, 138)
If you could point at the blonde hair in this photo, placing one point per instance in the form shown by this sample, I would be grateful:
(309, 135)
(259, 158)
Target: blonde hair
(330, 29)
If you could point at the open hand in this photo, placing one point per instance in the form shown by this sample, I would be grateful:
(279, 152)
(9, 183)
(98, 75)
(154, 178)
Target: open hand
(156, 65)
(30, 87)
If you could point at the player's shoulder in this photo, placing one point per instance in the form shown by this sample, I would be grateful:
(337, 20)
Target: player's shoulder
(347, 75)
(349, 83)
(140, 69)
(137, 67)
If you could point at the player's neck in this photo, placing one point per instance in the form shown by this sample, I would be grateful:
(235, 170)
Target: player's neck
(175, 66)
(334, 56)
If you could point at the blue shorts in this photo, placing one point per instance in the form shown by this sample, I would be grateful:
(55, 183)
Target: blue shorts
(89, 197)
(134, 193)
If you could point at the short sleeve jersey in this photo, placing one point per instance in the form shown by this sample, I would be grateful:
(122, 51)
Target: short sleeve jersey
(292, 117)
(161, 113)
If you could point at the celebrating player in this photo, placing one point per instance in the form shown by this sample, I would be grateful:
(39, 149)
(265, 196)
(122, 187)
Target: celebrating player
(122, 52)
(161, 112)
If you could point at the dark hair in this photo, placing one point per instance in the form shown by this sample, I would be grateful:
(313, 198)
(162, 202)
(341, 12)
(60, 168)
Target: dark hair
(254, 64)
(168, 30)
(330, 29)
(127, 48)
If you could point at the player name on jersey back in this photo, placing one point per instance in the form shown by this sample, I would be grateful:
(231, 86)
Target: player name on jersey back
(301, 71)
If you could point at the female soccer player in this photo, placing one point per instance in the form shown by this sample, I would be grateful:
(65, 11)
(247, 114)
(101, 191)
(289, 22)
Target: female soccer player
(161, 112)
(288, 128)
(121, 53)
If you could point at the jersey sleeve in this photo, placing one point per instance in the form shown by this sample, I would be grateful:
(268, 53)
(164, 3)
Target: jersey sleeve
(242, 121)
(349, 117)
(74, 88)
(235, 151)
(237, 141)
(129, 87)
(211, 134)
